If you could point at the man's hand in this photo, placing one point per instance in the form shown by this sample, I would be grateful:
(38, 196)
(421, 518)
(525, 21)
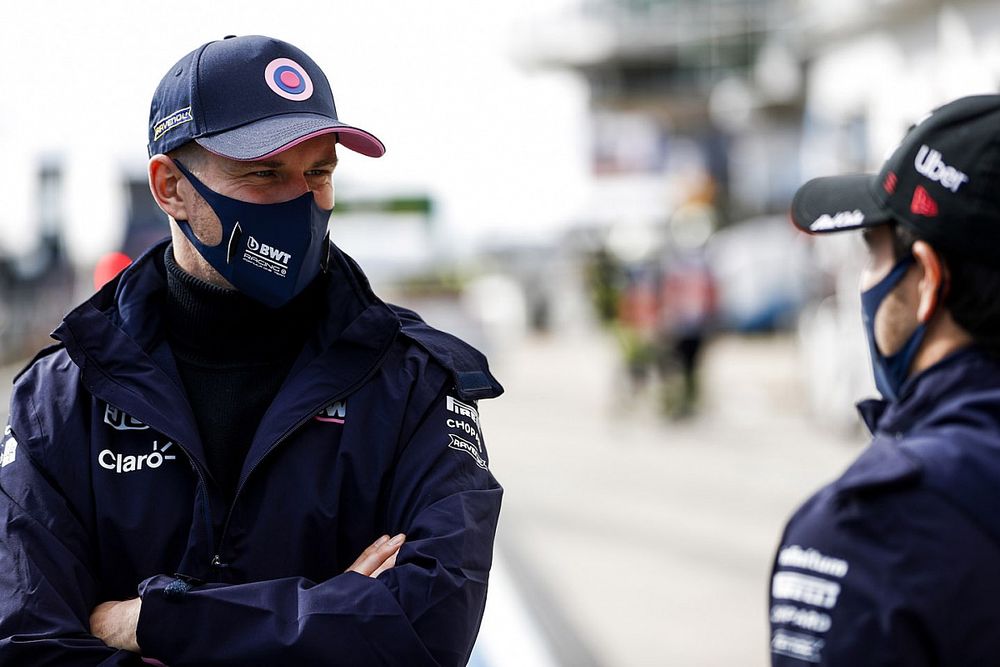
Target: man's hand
(114, 623)
(379, 557)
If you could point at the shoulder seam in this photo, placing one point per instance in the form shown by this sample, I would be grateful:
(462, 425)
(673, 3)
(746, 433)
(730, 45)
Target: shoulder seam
(470, 383)
(47, 351)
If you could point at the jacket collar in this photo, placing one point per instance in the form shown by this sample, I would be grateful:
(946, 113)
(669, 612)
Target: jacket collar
(926, 394)
(115, 338)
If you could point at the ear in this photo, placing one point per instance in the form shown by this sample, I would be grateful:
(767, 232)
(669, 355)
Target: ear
(932, 284)
(164, 179)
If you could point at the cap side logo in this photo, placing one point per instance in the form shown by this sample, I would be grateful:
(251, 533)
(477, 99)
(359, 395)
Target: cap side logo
(923, 204)
(175, 119)
(840, 220)
(288, 79)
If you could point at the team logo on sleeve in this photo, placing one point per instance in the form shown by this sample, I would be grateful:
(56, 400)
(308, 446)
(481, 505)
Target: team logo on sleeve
(464, 432)
(9, 448)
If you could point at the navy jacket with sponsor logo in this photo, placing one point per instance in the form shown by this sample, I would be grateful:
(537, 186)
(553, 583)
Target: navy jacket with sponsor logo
(106, 494)
(896, 562)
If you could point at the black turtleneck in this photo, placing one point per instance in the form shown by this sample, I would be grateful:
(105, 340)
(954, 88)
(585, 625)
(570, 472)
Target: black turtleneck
(232, 354)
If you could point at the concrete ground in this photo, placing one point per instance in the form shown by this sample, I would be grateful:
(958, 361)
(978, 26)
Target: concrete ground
(647, 542)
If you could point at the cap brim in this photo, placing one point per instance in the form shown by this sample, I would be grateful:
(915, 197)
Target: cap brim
(837, 204)
(269, 136)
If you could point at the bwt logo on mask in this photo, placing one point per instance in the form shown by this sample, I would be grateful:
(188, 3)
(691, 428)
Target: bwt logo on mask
(268, 252)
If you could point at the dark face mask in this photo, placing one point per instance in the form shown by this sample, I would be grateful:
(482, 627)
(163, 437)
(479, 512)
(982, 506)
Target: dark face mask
(270, 252)
(890, 371)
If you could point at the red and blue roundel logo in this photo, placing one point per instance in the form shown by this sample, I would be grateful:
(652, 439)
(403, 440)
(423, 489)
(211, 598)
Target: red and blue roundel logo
(288, 79)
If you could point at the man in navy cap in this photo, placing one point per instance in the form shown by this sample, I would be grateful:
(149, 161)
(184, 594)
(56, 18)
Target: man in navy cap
(236, 453)
(895, 563)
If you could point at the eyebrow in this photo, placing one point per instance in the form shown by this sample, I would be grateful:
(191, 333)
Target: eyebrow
(278, 164)
(326, 162)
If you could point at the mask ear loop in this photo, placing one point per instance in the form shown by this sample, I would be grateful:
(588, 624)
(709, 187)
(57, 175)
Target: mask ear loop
(234, 240)
(325, 261)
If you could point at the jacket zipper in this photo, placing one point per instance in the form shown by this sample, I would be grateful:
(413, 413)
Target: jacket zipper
(217, 561)
(205, 508)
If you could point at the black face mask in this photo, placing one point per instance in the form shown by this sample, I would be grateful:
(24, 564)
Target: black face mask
(269, 252)
(890, 371)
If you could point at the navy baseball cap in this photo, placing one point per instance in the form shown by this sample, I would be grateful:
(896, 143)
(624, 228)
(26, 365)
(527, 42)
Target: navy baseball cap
(942, 182)
(247, 98)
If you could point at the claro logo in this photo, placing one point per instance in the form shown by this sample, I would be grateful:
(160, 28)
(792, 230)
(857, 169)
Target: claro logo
(122, 463)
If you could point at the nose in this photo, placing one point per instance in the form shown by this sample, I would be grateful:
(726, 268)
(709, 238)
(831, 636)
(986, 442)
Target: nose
(296, 186)
(324, 194)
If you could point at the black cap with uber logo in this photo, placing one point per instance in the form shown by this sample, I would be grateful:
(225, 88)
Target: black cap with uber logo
(942, 181)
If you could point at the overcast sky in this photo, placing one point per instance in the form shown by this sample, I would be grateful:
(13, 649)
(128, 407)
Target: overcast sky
(501, 148)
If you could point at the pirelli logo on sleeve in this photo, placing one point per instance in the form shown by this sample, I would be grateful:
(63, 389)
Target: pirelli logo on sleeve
(464, 432)
(463, 410)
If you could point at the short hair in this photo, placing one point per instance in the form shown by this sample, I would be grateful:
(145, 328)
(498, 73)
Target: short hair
(190, 154)
(971, 297)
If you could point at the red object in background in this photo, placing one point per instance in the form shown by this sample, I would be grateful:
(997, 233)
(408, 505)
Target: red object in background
(108, 267)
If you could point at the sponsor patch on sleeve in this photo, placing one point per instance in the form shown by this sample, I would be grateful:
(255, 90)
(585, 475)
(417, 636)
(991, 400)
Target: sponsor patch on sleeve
(464, 433)
(805, 589)
(9, 448)
(794, 645)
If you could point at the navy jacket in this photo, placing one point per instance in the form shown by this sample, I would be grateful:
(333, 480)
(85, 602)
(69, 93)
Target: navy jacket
(898, 561)
(106, 494)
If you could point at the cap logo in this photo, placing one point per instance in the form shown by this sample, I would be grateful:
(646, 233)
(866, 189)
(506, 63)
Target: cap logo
(838, 220)
(923, 204)
(930, 164)
(288, 79)
(178, 117)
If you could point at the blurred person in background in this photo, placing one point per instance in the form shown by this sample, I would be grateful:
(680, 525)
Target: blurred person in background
(895, 563)
(603, 278)
(638, 323)
(208, 466)
(687, 306)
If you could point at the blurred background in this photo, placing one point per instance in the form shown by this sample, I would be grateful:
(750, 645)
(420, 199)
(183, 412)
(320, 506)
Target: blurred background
(595, 193)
